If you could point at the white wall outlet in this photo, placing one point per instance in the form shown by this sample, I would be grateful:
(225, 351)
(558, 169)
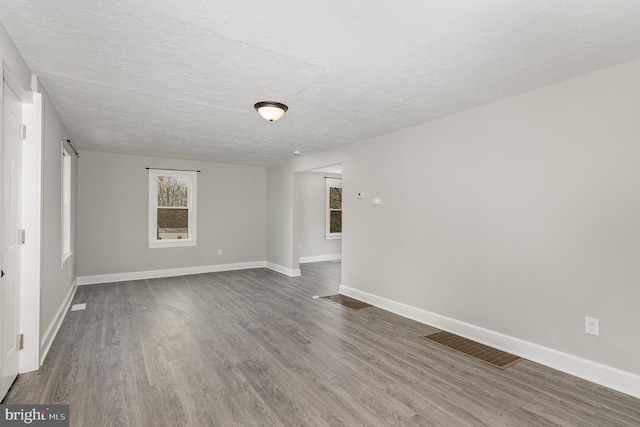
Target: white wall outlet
(219, 251)
(360, 195)
(592, 326)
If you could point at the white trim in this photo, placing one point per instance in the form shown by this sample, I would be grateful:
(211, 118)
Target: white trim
(170, 272)
(192, 208)
(52, 330)
(13, 83)
(172, 243)
(32, 251)
(319, 258)
(66, 167)
(284, 270)
(65, 260)
(616, 379)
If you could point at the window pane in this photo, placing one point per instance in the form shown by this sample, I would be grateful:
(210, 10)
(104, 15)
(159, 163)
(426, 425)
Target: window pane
(335, 198)
(173, 223)
(335, 221)
(172, 191)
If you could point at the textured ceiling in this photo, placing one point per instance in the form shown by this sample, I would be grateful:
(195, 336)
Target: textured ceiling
(177, 78)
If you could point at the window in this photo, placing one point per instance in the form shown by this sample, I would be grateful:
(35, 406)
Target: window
(172, 208)
(66, 205)
(333, 229)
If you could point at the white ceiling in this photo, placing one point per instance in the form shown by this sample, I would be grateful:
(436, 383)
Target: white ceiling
(177, 78)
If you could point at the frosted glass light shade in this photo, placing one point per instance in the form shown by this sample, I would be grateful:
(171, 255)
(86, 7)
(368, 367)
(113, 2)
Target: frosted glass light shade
(271, 110)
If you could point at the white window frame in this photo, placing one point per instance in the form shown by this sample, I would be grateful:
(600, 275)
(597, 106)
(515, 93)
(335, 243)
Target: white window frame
(65, 210)
(192, 179)
(329, 183)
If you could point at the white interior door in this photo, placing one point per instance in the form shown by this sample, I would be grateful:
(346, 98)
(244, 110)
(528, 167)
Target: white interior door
(11, 220)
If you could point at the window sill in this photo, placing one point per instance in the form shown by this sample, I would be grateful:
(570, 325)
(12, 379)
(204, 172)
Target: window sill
(65, 260)
(171, 244)
(333, 236)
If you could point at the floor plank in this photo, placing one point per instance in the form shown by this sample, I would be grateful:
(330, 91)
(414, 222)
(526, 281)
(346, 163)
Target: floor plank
(254, 348)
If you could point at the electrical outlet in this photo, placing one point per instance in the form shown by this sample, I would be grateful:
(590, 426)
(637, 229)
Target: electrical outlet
(219, 251)
(592, 326)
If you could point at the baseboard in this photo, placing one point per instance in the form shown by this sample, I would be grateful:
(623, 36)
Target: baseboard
(52, 330)
(319, 258)
(613, 378)
(284, 270)
(170, 272)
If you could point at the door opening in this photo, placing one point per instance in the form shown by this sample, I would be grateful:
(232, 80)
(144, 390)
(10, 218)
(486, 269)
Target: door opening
(319, 224)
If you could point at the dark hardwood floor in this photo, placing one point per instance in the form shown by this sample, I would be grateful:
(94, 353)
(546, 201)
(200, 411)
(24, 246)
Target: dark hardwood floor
(253, 348)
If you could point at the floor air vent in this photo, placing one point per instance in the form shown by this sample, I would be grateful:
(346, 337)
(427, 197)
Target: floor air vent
(490, 355)
(348, 301)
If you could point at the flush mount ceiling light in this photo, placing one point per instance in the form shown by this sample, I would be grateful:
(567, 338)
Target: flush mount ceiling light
(271, 111)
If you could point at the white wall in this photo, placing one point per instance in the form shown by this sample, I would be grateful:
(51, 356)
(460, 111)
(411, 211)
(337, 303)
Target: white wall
(313, 208)
(519, 217)
(113, 215)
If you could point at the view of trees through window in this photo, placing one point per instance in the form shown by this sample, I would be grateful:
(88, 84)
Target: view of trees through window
(335, 210)
(173, 207)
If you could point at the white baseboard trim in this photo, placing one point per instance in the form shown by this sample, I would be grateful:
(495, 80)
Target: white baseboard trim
(284, 270)
(319, 258)
(170, 272)
(613, 378)
(54, 326)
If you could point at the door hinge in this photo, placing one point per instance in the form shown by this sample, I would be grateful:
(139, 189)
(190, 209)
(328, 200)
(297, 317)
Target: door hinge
(20, 341)
(22, 132)
(21, 237)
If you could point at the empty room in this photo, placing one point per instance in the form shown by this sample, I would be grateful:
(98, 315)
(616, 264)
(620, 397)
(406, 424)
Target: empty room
(290, 213)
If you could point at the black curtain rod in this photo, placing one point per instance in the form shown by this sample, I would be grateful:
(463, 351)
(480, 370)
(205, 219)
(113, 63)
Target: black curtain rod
(68, 141)
(179, 170)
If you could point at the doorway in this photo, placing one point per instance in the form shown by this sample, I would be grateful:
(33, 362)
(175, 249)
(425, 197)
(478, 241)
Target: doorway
(319, 228)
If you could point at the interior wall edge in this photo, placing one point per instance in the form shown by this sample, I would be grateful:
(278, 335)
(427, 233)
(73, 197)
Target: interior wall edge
(291, 272)
(51, 332)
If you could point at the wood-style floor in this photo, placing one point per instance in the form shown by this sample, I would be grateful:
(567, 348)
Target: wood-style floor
(253, 348)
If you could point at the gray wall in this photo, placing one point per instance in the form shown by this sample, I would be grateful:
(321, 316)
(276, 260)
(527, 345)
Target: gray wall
(520, 216)
(56, 281)
(113, 215)
(313, 216)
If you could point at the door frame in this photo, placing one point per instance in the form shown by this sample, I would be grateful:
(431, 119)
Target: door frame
(32, 221)
(296, 214)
